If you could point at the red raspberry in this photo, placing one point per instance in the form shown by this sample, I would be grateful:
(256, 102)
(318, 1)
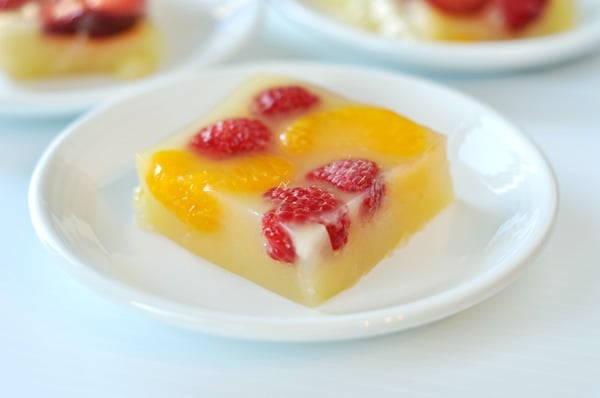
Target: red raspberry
(279, 244)
(459, 7)
(11, 4)
(373, 199)
(95, 18)
(301, 205)
(281, 101)
(118, 7)
(349, 175)
(354, 175)
(230, 137)
(520, 13)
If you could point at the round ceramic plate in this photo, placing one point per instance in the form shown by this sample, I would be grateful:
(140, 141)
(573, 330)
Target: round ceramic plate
(80, 201)
(195, 32)
(583, 39)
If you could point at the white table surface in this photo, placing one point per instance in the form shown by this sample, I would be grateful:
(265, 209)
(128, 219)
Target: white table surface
(540, 337)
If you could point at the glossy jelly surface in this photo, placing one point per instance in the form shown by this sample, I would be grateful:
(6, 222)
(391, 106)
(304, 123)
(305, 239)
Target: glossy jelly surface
(303, 195)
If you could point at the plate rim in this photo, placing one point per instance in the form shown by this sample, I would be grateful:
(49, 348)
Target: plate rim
(438, 56)
(36, 105)
(269, 328)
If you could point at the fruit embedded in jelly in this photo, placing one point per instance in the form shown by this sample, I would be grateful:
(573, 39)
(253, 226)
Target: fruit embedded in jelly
(282, 101)
(301, 206)
(514, 14)
(355, 176)
(6, 5)
(183, 182)
(70, 37)
(459, 7)
(293, 187)
(231, 136)
(455, 20)
(350, 175)
(356, 128)
(93, 18)
(518, 14)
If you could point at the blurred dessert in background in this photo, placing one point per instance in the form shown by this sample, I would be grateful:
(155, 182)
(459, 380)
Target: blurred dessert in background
(45, 38)
(453, 20)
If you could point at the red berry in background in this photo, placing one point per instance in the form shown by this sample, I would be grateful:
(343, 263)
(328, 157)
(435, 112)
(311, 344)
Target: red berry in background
(231, 137)
(520, 13)
(302, 205)
(282, 101)
(11, 4)
(349, 175)
(95, 18)
(459, 7)
(118, 7)
(62, 17)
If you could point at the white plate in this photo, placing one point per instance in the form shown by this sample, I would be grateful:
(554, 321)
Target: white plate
(80, 201)
(196, 33)
(455, 57)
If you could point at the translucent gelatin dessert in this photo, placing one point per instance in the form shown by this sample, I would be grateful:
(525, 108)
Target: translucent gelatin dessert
(293, 187)
(44, 38)
(454, 20)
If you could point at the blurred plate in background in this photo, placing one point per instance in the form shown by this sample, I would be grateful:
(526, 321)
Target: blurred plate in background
(454, 57)
(196, 33)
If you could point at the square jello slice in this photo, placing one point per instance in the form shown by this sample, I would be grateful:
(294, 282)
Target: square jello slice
(312, 194)
(79, 41)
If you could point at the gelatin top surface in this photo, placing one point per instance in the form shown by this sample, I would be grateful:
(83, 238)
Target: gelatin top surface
(281, 148)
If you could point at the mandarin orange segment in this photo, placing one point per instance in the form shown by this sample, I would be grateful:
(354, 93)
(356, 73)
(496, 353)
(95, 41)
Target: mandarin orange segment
(374, 129)
(255, 173)
(183, 181)
(172, 181)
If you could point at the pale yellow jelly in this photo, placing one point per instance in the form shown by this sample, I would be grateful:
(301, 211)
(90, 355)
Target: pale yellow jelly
(417, 18)
(214, 207)
(27, 53)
